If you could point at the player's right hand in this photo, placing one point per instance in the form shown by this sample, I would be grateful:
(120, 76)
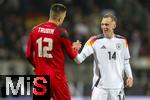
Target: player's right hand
(77, 45)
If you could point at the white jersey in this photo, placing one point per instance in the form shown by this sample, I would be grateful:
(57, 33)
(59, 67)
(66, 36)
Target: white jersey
(110, 56)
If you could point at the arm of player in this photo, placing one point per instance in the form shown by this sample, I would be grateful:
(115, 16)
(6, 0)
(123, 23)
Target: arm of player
(30, 50)
(79, 59)
(67, 44)
(86, 51)
(129, 81)
(127, 67)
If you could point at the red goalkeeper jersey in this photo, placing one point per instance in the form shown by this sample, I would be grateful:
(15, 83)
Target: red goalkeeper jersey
(46, 46)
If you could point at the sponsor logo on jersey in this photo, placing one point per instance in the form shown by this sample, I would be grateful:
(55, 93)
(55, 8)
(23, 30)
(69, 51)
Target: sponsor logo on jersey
(103, 47)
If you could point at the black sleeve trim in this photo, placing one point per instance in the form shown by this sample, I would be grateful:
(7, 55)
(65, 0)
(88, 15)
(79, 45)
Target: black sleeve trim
(64, 34)
(100, 36)
(97, 82)
(119, 36)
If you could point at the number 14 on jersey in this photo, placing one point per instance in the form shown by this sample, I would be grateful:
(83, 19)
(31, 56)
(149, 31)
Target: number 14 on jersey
(112, 55)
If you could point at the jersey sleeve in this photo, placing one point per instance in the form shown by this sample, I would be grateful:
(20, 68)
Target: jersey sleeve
(67, 43)
(86, 51)
(127, 66)
(127, 69)
(30, 49)
(126, 50)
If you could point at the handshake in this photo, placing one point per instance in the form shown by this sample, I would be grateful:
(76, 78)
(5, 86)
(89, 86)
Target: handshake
(76, 45)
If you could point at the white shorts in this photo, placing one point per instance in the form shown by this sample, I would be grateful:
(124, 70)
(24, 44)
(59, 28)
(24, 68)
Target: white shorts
(107, 94)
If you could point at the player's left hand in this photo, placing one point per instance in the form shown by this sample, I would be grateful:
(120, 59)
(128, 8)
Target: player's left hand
(129, 82)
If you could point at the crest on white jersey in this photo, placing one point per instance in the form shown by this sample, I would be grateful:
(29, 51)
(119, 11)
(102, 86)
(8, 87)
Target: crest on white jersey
(118, 46)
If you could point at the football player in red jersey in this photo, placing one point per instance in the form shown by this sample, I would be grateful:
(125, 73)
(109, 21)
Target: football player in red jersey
(45, 51)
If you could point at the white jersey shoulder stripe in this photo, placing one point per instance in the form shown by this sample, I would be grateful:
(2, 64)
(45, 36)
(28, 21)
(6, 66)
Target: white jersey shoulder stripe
(92, 39)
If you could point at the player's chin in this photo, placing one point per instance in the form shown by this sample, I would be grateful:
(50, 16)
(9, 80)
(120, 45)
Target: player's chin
(105, 33)
(128, 86)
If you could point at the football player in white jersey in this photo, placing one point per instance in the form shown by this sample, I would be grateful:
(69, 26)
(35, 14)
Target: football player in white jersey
(111, 60)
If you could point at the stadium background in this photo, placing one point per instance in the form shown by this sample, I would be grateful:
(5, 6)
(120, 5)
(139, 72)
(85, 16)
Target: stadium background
(17, 18)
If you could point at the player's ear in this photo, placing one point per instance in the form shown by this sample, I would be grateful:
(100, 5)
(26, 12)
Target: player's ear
(59, 19)
(114, 24)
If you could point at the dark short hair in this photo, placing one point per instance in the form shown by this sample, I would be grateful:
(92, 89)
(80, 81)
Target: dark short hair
(57, 9)
(109, 15)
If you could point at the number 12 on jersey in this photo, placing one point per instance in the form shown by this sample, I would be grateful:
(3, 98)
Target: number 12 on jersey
(43, 50)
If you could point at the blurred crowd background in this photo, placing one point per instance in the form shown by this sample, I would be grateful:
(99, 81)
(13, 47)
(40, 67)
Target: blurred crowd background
(17, 18)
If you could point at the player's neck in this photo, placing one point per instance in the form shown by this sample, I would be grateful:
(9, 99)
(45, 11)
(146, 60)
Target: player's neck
(53, 21)
(110, 36)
